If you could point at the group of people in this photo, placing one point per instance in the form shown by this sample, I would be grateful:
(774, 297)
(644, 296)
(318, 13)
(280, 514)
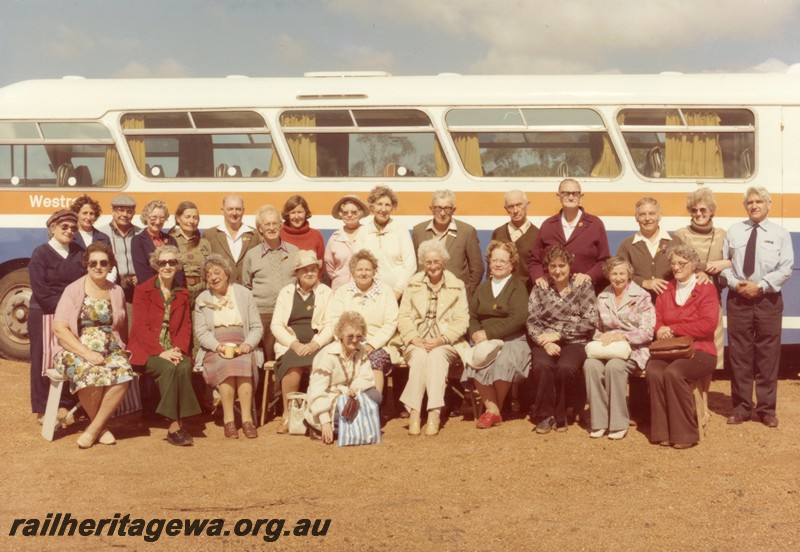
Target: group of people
(339, 317)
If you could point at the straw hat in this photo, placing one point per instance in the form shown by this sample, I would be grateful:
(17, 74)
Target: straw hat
(349, 199)
(304, 258)
(485, 353)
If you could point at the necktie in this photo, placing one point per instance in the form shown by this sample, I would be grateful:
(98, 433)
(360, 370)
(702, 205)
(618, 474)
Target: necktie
(749, 265)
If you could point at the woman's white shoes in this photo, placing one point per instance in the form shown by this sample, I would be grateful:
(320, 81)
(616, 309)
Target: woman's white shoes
(107, 438)
(414, 424)
(619, 434)
(597, 433)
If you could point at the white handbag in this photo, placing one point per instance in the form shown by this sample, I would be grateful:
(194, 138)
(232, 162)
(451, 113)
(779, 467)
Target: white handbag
(615, 349)
(296, 403)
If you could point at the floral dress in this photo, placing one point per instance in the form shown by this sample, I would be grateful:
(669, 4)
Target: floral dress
(97, 335)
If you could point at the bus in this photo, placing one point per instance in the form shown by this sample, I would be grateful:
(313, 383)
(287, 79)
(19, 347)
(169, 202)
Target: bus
(327, 134)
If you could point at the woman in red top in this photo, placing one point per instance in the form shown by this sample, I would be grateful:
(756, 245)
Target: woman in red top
(296, 229)
(686, 308)
(161, 341)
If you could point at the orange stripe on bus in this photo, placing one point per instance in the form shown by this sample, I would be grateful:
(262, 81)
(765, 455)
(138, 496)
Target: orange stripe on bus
(411, 203)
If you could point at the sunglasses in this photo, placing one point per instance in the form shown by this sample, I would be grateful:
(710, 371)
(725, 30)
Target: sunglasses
(65, 227)
(102, 264)
(167, 262)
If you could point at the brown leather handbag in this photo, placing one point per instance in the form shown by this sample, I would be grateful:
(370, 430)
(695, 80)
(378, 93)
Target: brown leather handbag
(672, 348)
(350, 410)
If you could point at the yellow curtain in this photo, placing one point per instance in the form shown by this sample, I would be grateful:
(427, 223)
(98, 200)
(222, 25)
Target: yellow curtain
(114, 174)
(136, 143)
(470, 152)
(607, 165)
(693, 154)
(275, 165)
(302, 146)
(438, 158)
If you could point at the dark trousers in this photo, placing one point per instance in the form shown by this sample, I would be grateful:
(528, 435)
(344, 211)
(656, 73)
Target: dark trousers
(39, 384)
(556, 382)
(754, 340)
(673, 415)
(178, 400)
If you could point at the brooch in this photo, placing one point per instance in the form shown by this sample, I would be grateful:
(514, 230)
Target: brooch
(310, 307)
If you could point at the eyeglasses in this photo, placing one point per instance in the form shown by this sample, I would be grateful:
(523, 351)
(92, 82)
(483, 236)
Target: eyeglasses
(352, 337)
(445, 210)
(124, 210)
(102, 264)
(167, 262)
(68, 227)
(570, 194)
(156, 218)
(270, 225)
(700, 211)
(678, 264)
(349, 214)
(499, 262)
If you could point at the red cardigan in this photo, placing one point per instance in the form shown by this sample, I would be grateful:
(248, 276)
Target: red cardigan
(588, 244)
(148, 314)
(697, 317)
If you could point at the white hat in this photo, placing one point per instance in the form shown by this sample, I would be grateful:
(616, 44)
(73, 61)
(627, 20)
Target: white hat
(485, 353)
(304, 258)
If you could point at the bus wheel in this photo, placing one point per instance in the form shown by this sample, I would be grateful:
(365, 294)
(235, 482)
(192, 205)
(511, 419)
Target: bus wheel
(15, 294)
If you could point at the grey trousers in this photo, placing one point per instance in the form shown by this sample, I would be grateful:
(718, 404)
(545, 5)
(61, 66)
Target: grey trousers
(606, 389)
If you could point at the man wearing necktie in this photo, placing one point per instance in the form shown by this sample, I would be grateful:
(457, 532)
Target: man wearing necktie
(762, 259)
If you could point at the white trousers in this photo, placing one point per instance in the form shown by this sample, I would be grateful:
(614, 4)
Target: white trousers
(427, 372)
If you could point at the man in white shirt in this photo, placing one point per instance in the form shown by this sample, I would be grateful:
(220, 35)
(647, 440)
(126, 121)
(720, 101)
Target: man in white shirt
(519, 230)
(459, 238)
(232, 238)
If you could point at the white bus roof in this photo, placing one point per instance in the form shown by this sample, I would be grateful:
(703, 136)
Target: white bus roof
(73, 97)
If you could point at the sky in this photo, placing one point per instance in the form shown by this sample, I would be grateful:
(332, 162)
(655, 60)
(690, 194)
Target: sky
(278, 38)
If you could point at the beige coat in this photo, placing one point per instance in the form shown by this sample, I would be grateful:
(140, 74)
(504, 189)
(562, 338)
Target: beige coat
(452, 313)
(284, 335)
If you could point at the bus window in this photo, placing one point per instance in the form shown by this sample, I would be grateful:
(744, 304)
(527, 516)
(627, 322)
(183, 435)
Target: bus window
(363, 143)
(528, 142)
(201, 144)
(690, 142)
(63, 153)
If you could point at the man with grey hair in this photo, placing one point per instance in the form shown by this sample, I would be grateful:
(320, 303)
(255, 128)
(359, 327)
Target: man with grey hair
(459, 238)
(232, 239)
(762, 258)
(646, 250)
(519, 230)
(121, 231)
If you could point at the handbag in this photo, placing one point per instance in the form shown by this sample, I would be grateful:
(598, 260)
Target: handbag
(615, 349)
(365, 429)
(297, 406)
(350, 409)
(672, 348)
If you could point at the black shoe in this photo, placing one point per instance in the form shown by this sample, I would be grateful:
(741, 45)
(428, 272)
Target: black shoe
(736, 419)
(545, 425)
(180, 438)
(769, 420)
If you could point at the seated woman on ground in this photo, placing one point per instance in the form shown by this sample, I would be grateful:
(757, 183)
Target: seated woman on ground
(228, 328)
(91, 324)
(300, 326)
(161, 341)
(561, 320)
(625, 314)
(433, 322)
(341, 368)
(497, 314)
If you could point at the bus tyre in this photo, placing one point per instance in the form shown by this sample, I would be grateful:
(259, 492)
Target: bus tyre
(15, 294)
